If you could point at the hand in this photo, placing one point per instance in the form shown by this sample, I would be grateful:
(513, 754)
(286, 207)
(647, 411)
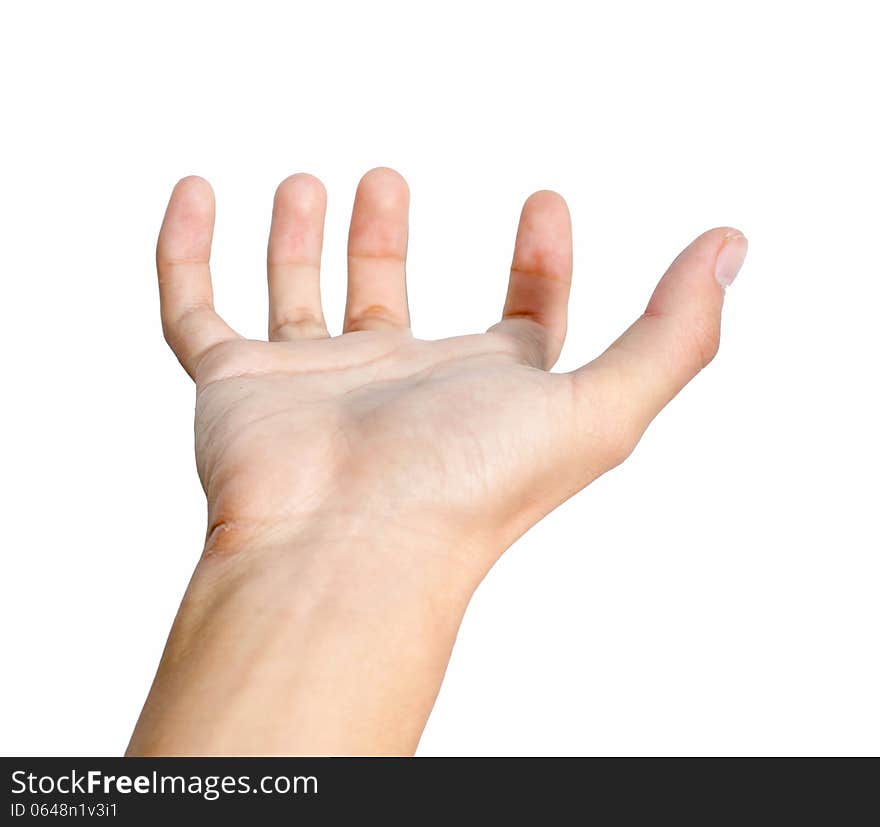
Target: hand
(377, 458)
(467, 441)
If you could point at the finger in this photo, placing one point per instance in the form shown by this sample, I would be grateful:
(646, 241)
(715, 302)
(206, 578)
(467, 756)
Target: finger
(674, 339)
(294, 259)
(186, 300)
(377, 254)
(536, 308)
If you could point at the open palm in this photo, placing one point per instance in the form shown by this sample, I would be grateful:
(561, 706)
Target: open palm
(464, 441)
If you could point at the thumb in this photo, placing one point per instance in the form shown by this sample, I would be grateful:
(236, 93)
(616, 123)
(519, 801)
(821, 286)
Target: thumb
(675, 338)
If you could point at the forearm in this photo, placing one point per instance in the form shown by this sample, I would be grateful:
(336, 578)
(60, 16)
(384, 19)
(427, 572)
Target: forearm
(325, 649)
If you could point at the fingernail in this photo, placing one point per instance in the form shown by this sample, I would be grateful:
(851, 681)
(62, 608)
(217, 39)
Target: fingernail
(730, 258)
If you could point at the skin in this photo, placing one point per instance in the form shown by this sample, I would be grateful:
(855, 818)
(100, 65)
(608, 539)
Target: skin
(359, 487)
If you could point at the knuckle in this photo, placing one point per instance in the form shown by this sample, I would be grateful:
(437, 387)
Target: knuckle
(301, 321)
(171, 334)
(529, 340)
(704, 337)
(620, 439)
(613, 431)
(375, 317)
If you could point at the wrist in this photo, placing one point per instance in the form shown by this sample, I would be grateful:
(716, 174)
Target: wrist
(344, 555)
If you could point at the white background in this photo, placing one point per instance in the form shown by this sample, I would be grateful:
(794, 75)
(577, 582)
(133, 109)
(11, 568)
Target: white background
(717, 594)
